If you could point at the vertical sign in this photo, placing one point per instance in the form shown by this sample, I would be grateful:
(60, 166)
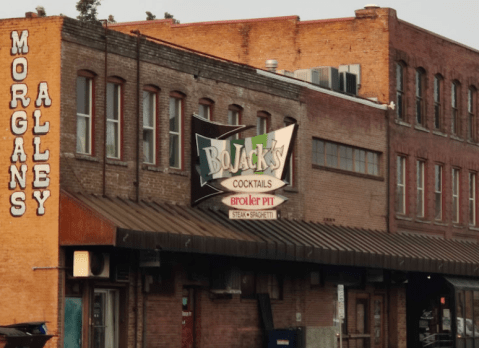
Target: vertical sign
(340, 312)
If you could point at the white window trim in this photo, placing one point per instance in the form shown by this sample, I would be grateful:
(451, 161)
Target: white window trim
(472, 200)
(180, 147)
(235, 122)
(88, 117)
(151, 128)
(263, 121)
(420, 188)
(117, 122)
(402, 161)
(438, 191)
(456, 181)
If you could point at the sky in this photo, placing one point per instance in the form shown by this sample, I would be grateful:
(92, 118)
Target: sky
(457, 20)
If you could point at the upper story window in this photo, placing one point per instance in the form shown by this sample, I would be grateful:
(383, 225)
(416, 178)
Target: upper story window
(345, 157)
(420, 104)
(420, 188)
(176, 125)
(472, 199)
(454, 108)
(471, 126)
(401, 185)
(437, 102)
(400, 91)
(149, 126)
(234, 118)
(84, 114)
(113, 115)
(289, 172)
(206, 108)
(262, 122)
(455, 195)
(438, 192)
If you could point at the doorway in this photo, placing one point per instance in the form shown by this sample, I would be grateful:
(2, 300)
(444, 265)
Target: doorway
(105, 318)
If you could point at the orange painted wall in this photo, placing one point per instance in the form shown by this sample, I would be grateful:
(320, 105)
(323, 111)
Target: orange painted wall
(293, 43)
(30, 240)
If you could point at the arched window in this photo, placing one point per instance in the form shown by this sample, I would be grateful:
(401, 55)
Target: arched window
(471, 124)
(437, 101)
(262, 122)
(206, 108)
(234, 118)
(420, 103)
(85, 112)
(114, 117)
(455, 107)
(176, 129)
(150, 124)
(400, 102)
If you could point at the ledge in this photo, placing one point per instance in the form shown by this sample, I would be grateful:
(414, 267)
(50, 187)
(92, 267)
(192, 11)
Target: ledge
(456, 138)
(472, 228)
(438, 223)
(152, 168)
(423, 221)
(114, 162)
(403, 217)
(421, 128)
(402, 123)
(347, 172)
(83, 157)
(175, 171)
(457, 226)
(441, 134)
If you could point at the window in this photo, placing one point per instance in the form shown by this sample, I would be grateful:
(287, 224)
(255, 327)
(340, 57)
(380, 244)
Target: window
(454, 109)
(84, 114)
(176, 112)
(467, 318)
(262, 123)
(253, 283)
(471, 127)
(149, 127)
(400, 90)
(437, 102)
(420, 105)
(105, 318)
(345, 157)
(455, 195)
(234, 115)
(438, 192)
(472, 199)
(401, 185)
(206, 108)
(420, 188)
(113, 113)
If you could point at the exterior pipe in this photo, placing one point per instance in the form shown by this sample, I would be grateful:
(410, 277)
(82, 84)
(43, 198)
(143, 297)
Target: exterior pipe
(105, 107)
(138, 163)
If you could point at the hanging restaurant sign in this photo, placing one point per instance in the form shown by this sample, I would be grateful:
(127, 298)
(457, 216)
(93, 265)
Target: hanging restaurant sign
(248, 166)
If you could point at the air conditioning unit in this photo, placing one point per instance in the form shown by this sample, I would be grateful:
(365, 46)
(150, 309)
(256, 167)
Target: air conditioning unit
(328, 77)
(308, 75)
(91, 264)
(285, 73)
(226, 281)
(348, 83)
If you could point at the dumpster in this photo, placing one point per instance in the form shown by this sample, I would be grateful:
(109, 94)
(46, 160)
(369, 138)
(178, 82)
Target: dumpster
(25, 335)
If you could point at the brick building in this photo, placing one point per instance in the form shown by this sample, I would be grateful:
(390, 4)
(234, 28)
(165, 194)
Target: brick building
(99, 122)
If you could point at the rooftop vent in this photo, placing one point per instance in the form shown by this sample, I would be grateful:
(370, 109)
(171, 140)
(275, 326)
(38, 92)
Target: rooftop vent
(271, 65)
(371, 6)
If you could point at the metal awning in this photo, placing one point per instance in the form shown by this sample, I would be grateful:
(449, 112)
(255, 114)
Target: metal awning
(96, 220)
(463, 284)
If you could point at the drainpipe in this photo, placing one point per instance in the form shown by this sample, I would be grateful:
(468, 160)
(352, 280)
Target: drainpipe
(388, 172)
(105, 106)
(138, 163)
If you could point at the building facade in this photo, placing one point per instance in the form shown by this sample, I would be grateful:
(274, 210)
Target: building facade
(99, 122)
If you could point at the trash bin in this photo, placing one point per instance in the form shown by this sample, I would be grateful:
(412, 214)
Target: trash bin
(25, 335)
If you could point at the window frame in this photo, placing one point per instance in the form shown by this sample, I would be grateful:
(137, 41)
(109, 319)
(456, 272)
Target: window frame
(471, 118)
(455, 190)
(290, 174)
(438, 189)
(455, 119)
(401, 184)
(118, 83)
(235, 110)
(420, 187)
(472, 199)
(180, 97)
(265, 117)
(420, 97)
(400, 91)
(90, 77)
(438, 81)
(155, 128)
(206, 102)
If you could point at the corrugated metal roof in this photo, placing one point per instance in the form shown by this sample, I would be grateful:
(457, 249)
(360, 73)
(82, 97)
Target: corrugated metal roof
(172, 227)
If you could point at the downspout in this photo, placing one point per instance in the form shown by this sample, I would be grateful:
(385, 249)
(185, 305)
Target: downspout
(137, 183)
(388, 172)
(105, 107)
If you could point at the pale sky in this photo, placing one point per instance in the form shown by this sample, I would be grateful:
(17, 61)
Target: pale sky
(457, 20)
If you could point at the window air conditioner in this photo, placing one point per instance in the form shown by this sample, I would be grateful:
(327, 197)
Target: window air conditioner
(347, 83)
(91, 264)
(308, 75)
(328, 77)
